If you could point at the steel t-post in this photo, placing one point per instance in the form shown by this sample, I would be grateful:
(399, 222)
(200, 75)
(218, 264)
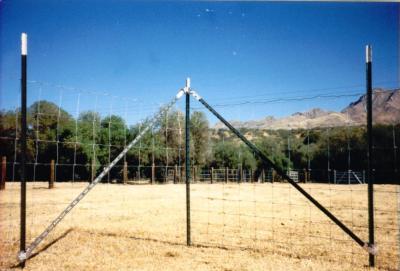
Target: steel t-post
(370, 177)
(24, 54)
(187, 161)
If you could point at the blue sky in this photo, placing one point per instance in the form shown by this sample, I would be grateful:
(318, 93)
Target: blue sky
(235, 52)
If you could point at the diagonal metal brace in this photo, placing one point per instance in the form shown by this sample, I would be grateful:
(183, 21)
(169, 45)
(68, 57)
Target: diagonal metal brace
(24, 255)
(263, 157)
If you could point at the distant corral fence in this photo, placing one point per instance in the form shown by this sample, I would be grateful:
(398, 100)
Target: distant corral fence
(126, 173)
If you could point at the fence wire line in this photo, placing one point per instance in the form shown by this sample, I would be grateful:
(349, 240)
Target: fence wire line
(258, 98)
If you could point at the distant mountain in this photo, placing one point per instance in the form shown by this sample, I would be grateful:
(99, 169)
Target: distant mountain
(385, 107)
(386, 110)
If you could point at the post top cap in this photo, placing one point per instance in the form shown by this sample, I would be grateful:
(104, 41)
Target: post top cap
(368, 53)
(24, 44)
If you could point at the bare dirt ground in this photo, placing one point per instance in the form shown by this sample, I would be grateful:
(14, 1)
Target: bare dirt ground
(234, 227)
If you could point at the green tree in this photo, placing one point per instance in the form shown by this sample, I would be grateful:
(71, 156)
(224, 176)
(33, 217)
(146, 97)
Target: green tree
(171, 133)
(199, 135)
(273, 147)
(232, 155)
(88, 136)
(111, 142)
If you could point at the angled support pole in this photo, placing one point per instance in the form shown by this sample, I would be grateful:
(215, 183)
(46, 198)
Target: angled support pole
(25, 254)
(279, 171)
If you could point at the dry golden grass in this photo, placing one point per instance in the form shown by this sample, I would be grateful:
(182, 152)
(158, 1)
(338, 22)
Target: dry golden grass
(234, 227)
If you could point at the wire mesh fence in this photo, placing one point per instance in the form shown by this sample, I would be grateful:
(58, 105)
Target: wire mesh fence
(236, 200)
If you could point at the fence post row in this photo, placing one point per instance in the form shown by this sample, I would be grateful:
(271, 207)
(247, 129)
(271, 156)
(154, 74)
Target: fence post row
(3, 173)
(175, 174)
(273, 175)
(93, 171)
(52, 175)
(125, 173)
(153, 173)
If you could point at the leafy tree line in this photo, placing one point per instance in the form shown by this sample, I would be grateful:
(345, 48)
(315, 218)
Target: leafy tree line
(77, 144)
(318, 151)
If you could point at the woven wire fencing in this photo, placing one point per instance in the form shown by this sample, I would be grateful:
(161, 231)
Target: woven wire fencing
(237, 202)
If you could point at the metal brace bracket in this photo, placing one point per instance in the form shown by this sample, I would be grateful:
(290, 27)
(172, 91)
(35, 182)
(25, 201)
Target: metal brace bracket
(371, 248)
(22, 256)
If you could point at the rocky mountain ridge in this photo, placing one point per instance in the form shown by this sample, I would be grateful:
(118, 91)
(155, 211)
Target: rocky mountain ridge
(386, 110)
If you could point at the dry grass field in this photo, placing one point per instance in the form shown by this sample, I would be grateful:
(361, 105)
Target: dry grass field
(234, 227)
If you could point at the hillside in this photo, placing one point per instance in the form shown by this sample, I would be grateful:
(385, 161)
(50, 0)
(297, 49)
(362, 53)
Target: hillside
(385, 106)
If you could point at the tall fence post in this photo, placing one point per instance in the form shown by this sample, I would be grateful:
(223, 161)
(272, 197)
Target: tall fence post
(176, 174)
(348, 176)
(371, 225)
(3, 173)
(262, 176)
(24, 55)
(166, 174)
(363, 176)
(226, 174)
(238, 174)
(194, 173)
(125, 173)
(153, 173)
(52, 175)
(334, 176)
(273, 175)
(187, 162)
(93, 170)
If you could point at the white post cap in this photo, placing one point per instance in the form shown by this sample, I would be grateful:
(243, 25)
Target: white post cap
(24, 44)
(368, 53)
(187, 87)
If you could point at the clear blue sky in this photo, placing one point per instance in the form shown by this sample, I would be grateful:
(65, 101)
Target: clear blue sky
(233, 51)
